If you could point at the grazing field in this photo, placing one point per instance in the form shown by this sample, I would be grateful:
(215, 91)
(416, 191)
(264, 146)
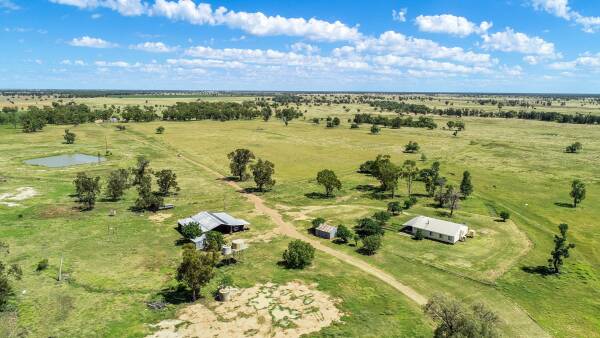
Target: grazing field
(116, 264)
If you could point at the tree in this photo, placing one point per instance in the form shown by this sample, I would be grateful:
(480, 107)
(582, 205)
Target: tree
(240, 158)
(409, 172)
(317, 221)
(577, 192)
(394, 208)
(343, 233)
(329, 180)
(411, 147)
(7, 274)
(419, 235)
(263, 172)
(574, 148)
(371, 244)
(69, 137)
(388, 174)
(431, 178)
(453, 198)
(86, 188)
(116, 184)
(382, 217)
(191, 230)
(266, 113)
(140, 170)
(367, 227)
(196, 269)
(160, 130)
(214, 241)
(466, 187)
(298, 255)
(33, 120)
(504, 215)
(455, 320)
(561, 249)
(166, 180)
(147, 200)
(375, 129)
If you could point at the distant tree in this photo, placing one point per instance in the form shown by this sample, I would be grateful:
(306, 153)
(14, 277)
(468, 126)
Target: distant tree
(298, 255)
(160, 130)
(214, 241)
(409, 172)
(69, 137)
(196, 269)
(147, 200)
(431, 178)
(466, 186)
(410, 202)
(141, 169)
(577, 192)
(7, 274)
(394, 208)
(388, 175)
(355, 238)
(266, 113)
(411, 147)
(367, 227)
(343, 233)
(116, 184)
(574, 148)
(354, 126)
(263, 174)
(419, 235)
(87, 189)
(561, 249)
(371, 244)
(191, 230)
(423, 157)
(449, 198)
(167, 181)
(504, 215)
(240, 158)
(329, 181)
(455, 320)
(382, 217)
(33, 120)
(336, 121)
(375, 129)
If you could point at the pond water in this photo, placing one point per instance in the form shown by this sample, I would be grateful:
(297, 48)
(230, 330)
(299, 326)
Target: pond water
(65, 160)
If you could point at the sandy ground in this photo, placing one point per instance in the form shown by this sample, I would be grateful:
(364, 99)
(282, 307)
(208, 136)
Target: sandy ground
(20, 194)
(265, 310)
(159, 217)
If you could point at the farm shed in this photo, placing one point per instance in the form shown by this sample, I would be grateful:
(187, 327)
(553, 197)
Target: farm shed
(326, 231)
(219, 221)
(438, 229)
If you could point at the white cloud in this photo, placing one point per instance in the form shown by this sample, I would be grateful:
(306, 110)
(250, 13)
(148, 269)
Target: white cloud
(96, 16)
(450, 24)
(511, 41)
(117, 64)
(86, 41)
(301, 47)
(588, 61)
(69, 62)
(9, 5)
(400, 15)
(561, 9)
(153, 47)
(255, 23)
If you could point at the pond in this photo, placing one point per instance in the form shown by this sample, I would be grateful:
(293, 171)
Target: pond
(66, 160)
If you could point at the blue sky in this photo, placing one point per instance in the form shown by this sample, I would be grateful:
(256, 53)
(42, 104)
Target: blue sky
(434, 45)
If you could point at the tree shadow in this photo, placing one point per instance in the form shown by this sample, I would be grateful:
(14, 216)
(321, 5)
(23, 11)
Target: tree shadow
(318, 196)
(541, 270)
(365, 187)
(181, 241)
(176, 295)
(252, 190)
(442, 213)
(339, 241)
(563, 205)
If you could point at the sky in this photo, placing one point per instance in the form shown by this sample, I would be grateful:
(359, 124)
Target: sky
(514, 46)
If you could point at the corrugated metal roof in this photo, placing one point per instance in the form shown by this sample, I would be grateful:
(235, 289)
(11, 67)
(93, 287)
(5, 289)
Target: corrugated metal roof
(208, 220)
(437, 225)
(326, 228)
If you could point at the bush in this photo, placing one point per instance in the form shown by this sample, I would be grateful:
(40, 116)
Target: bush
(214, 241)
(410, 202)
(371, 244)
(343, 233)
(317, 221)
(394, 208)
(42, 265)
(382, 217)
(191, 230)
(411, 147)
(368, 227)
(354, 126)
(375, 129)
(160, 130)
(504, 215)
(298, 255)
(419, 235)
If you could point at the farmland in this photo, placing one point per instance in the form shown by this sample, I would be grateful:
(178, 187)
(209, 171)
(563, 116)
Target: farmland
(116, 264)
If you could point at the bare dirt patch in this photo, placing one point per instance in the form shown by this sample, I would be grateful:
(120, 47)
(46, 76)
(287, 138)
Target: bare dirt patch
(159, 217)
(264, 310)
(20, 194)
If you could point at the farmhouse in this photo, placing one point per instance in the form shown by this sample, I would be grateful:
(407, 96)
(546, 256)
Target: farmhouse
(438, 229)
(326, 231)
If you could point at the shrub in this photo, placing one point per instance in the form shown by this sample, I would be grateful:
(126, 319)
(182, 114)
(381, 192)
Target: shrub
(317, 221)
(42, 265)
(410, 202)
(214, 241)
(382, 217)
(375, 129)
(191, 230)
(504, 215)
(371, 244)
(419, 235)
(394, 208)
(160, 130)
(411, 147)
(368, 227)
(354, 126)
(343, 233)
(298, 255)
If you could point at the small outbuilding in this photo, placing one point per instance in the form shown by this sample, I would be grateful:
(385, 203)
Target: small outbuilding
(326, 231)
(219, 221)
(438, 229)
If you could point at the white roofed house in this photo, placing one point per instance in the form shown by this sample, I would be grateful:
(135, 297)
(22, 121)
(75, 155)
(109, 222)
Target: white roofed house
(438, 229)
(209, 221)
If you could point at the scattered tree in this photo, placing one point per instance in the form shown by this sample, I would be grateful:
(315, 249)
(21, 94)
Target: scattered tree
(329, 181)
(343, 233)
(214, 241)
(263, 174)
(371, 244)
(298, 255)
(86, 188)
(431, 178)
(69, 137)
(240, 158)
(410, 202)
(147, 200)
(368, 227)
(191, 230)
(574, 148)
(504, 215)
(196, 269)
(140, 170)
(466, 186)
(167, 181)
(382, 217)
(375, 129)
(394, 208)
(409, 172)
(388, 174)
(577, 192)
(33, 120)
(317, 222)
(160, 130)
(419, 235)
(116, 184)
(561, 249)
(411, 147)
